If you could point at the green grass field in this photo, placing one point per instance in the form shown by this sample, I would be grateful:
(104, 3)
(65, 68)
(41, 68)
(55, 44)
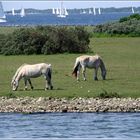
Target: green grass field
(120, 55)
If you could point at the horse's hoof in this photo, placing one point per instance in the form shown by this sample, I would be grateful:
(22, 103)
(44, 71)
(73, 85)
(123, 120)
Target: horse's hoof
(32, 88)
(46, 88)
(78, 80)
(96, 79)
(51, 87)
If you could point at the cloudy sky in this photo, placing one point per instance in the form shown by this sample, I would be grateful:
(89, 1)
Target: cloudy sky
(8, 5)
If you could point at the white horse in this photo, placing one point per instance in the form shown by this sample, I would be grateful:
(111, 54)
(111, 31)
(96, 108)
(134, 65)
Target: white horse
(27, 71)
(86, 61)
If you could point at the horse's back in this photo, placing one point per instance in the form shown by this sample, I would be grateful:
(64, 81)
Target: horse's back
(88, 58)
(89, 61)
(34, 70)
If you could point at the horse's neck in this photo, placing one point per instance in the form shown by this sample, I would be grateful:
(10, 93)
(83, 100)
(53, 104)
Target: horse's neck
(16, 77)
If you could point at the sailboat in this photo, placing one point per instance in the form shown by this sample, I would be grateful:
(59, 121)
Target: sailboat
(66, 12)
(84, 12)
(2, 15)
(62, 12)
(94, 11)
(22, 13)
(90, 12)
(53, 11)
(133, 10)
(99, 10)
(13, 12)
(57, 11)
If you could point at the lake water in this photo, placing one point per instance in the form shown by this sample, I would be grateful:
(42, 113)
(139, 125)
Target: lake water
(73, 19)
(70, 125)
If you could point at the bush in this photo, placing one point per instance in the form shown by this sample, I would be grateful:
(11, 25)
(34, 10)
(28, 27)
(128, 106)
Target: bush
(134, 16)
(129, 26)
(46, 40)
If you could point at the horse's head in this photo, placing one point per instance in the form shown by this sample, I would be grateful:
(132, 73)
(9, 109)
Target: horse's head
(14, 85)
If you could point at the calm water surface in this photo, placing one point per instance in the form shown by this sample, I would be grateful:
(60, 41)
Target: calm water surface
(70, 125)
(74, 19)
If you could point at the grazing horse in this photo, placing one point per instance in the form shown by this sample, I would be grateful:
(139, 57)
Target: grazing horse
(86, 61)
(27, 71)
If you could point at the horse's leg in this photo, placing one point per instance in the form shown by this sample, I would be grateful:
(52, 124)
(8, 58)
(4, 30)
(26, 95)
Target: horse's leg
(84, 72)
(30, 84)
(25, 82)
(78, 72)
(48, 83)
(95, 76)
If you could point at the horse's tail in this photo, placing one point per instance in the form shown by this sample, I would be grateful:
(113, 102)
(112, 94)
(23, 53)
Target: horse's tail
(103, 68)
(75, 69)
(17, 72)
(50, 71)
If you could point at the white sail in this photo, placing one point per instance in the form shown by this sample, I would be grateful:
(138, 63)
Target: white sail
(133, 10)
(2, 15)
(57, 11)
(90, 12)
(13, 11)
(94, 11)
(99, 10)
(84, 12)
(22, 13)
(66, 12)
(53, 11)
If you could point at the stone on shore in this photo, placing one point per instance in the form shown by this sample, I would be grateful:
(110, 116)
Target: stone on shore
(46, 104)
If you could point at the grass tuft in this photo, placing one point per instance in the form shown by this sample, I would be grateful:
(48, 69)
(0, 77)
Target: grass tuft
(105, 94)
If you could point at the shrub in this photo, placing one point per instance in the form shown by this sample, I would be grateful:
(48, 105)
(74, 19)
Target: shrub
(46, 40)
(128, 26)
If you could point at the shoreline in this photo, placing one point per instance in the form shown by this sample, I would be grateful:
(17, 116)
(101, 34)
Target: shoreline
(77, 104)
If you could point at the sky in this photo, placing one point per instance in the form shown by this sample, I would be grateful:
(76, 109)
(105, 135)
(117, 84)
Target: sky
(37, 4)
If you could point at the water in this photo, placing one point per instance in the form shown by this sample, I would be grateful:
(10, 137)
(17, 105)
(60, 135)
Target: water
(73, 19)
(70, 125)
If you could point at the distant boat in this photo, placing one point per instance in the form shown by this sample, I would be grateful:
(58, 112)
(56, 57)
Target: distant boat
(99, 10)
(53, 11)
(66, 12)
(133, 10)
(84, 12)
(13, 12)
(57, 11)
(22, 13)
(94, 11)
(2, 15)
(90, 12)
(62, 11)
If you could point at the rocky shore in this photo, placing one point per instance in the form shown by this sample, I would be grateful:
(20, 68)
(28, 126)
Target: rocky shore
(48, 104)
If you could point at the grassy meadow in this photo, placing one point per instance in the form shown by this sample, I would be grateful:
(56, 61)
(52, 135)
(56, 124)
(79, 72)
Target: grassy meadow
(120, 55)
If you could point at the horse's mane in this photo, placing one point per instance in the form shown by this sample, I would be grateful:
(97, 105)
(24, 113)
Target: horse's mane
(18, 70)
